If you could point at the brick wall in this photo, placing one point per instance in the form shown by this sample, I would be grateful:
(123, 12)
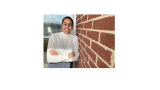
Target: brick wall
(96, 40)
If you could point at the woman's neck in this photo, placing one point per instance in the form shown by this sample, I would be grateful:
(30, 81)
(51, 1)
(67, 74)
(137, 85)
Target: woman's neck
(65, 35)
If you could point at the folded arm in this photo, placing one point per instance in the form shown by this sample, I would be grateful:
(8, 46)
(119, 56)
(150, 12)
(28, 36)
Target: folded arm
(76, 53)
(55, 58)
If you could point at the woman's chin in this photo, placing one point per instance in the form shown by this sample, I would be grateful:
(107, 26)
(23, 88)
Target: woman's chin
(66, 32)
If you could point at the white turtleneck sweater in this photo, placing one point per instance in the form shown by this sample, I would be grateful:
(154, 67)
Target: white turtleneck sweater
(63, 44)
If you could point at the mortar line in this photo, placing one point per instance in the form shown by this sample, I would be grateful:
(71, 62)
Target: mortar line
(112, 61)
(83, 50)
(97, 18)
(81, 64)
(96, 59)
(97, 30)
(90, 57)
(99, 37)
(84, 64)
(99, 57)
(81, 17)
(105, 47)
(94, 63)
(90, 43)
(96, 55)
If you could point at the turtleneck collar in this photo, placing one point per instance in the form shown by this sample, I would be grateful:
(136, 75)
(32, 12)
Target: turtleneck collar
(65, 35)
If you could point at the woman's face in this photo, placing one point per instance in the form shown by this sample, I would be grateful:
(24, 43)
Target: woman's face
(67, 26)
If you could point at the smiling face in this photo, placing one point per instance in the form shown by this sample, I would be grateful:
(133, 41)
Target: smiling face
(67, 26)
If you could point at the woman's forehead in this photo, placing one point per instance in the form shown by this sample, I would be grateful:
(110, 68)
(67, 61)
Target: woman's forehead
(67, 20)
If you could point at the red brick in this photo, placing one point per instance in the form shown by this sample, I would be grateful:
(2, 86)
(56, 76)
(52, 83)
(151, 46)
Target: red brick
(80, 36)
(85, 55)
(77, 26)
(81, 25)
(83, 45)
(78, 16)
(87, 41)
(83, 32)
(104, 54)
(79, 31)
(79, 66)
(84, 18)
(107, 23)
(92, 64)
(101, 64)
(76, 30)
(76, 22)
(80, 59)
(79, 41)
(87, 66)
(83, 59)
(91, 54)
(108, 40)
(88, 25)
(93, 16)
(79, 21)
(93, 35)
(80, 48)
(81, 15)
(84, 64)
(80, 56)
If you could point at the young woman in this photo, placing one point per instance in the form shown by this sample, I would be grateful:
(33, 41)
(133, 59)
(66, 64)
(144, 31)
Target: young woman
(63, 46)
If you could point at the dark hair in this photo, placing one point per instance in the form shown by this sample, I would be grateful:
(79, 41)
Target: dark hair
(68, 18)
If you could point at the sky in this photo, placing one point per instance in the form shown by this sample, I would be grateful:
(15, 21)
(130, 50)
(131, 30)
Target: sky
(54, 18)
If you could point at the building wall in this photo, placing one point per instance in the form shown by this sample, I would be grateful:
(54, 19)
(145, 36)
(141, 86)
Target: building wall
(96, 40)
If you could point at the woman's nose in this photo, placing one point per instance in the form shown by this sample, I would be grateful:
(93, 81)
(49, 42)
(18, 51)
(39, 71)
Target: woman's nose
(67, 26)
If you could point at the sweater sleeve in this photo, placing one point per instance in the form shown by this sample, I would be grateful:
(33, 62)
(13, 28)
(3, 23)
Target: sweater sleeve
(76, 48)
(54, 58)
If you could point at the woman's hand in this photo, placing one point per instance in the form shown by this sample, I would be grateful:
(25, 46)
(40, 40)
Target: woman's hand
(71, 55)
(53, 52)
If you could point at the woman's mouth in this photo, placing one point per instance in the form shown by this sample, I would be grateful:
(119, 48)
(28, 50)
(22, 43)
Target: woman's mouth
(67, 29)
